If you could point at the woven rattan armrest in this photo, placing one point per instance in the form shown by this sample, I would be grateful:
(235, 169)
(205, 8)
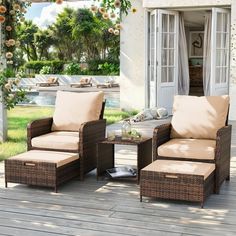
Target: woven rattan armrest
(222, 155)
(161, 134)
(37, 128)
(90, 134)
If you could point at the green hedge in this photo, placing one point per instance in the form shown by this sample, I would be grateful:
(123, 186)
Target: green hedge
(104, 67)
(55, 66)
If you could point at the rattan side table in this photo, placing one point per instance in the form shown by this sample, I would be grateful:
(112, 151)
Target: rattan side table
(105, 154)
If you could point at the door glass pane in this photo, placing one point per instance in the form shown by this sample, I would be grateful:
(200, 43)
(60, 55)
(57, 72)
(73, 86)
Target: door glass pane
(219, 25)
(165, 23)
(151, 73)
(224, 58)
(172, 23)
(165, 40)
(224, 22)
(218, 40)
(171, 74)
(164, 74)
(218, 75)
(164, 56)
(224, 74)
(171, 57)
(171, 40)
(224, 40)
(218, 57)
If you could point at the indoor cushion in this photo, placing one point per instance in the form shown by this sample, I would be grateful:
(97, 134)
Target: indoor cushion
(198, 117)
(181, 167)
(188, 148)
(59, 158)
(72, 109)
(57, 140)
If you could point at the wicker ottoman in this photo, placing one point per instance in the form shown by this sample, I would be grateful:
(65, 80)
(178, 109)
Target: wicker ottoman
(178, 180)
(42, 168)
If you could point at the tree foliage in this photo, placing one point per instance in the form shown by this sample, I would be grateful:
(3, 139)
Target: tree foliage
(76, 36)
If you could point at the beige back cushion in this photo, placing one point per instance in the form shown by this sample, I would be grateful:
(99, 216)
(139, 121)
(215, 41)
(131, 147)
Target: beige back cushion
(198, 117)
(50, 80)
(73, 109)
(55, 80)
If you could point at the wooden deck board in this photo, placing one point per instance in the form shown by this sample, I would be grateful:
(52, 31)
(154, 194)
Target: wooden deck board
(113, 208)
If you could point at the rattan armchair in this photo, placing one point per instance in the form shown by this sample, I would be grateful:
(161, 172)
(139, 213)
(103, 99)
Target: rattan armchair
(89, 134)
(162, 135)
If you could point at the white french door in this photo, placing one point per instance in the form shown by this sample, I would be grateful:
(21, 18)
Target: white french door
(167, 48)
(163, 58)
(220, 51)
(152, 60)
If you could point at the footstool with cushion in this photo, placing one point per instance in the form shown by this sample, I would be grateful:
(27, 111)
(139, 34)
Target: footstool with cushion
(177, 180)
(42, 168)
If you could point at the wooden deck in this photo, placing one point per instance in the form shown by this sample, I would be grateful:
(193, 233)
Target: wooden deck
(109, 208)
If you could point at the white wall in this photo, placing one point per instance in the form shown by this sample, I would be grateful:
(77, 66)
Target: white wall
(232, 88)
(132, 59)
(184, 3)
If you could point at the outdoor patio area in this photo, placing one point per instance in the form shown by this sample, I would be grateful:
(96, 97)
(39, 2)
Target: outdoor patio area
(104, 207)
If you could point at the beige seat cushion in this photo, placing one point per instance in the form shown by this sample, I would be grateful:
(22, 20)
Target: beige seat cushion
(59, 158)
(198, 117)
(188, 148)
(72, 109)
(181, 167)
(57, 140)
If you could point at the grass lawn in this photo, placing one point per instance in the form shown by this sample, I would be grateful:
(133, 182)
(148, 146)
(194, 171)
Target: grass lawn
(19, 117)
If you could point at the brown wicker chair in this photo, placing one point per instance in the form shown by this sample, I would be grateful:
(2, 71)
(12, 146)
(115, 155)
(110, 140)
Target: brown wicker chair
(89, 134)
(162, 135)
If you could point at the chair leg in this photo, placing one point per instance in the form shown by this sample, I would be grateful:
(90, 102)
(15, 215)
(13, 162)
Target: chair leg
(141, 198)
(81, 177)
(228, 178)
(5, 184)
(202, 204)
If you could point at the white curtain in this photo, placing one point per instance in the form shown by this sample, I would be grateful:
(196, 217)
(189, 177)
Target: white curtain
(183, 74)
(207, 55)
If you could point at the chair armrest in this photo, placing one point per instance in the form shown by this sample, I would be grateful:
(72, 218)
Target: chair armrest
(92, 132)
(161, 134)
(37, 128)
(223, 143)
(222, 156)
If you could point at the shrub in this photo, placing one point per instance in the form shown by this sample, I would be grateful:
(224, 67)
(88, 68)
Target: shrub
(109, 68)
(73, 69)
(56, 66)
(9, 73)
(45, 70)
(103, 67)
